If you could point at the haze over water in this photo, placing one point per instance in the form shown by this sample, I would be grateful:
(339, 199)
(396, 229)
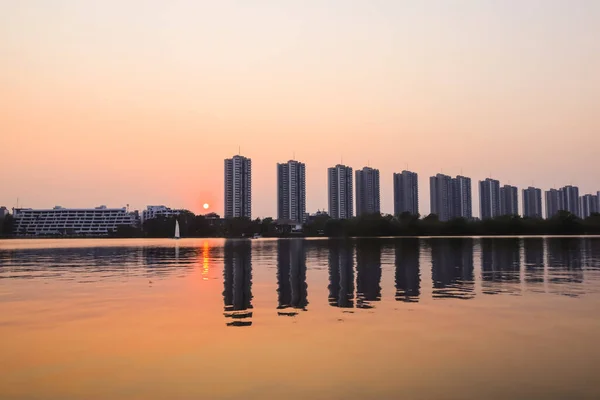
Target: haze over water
(138, 102)
(443, 318)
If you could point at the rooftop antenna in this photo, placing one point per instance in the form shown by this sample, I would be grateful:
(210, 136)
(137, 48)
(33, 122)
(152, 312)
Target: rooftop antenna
(294, 155)
(239, 150)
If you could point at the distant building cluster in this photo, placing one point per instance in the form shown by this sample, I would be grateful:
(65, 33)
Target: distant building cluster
(450, 198)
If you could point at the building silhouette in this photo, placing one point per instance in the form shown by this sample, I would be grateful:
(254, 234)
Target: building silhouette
(237, 282)
(532, 202)
(450, 197)
(367, 191)
(554, 202)
(340, 192)
(509, 200)
(441, 195)
(589, 205)
(462, 198)
(292, 290)
(291, 191)
(570, 202)
(406, 193)
(238, 187)
(489, 198)
(408, 277)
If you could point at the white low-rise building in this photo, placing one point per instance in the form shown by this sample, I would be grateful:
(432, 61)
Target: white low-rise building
(152, 212)
(99, 221)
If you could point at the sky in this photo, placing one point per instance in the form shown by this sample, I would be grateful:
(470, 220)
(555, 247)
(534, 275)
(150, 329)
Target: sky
(138, 102)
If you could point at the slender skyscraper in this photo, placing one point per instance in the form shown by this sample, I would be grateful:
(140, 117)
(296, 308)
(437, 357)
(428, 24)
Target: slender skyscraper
(367, 191)
(589, 205)
(291, 191)
(406, 193)
(509, 200)
(461, 197)
(570, 195)
(441, 195)
(532, 202)
(238, 187)
(340, 192)
(554, 202)
(489, 198)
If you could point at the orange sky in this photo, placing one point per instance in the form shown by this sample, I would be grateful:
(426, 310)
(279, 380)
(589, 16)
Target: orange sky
(139, 102)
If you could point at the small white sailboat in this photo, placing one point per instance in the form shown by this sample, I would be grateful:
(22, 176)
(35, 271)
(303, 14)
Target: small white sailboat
(176, 230)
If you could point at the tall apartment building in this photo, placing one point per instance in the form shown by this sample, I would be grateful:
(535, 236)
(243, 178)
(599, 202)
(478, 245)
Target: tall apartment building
(589, 205)
(462, 198)
(570, 195)
(238, 187)
(406, 193)
(509, 200)
(291, 191)
(441, 196)
(489, 198)
(367, 191)
(554, 202)
(340, 192)
(532, 202)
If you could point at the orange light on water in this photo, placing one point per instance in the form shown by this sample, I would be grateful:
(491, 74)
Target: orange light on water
(205, 266)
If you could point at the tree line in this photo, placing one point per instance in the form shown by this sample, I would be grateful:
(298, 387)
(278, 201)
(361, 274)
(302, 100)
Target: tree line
(564, 223)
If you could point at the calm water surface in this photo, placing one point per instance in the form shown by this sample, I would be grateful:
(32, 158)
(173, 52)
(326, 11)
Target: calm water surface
(317, 319)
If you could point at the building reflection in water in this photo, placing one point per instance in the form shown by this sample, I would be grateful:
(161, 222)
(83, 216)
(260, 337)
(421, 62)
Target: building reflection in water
(501, 266)
(452, 268)
(591, 257)
(533, 249)
(368, 272)
(408, 277)
(292, 290)
(341, 273)
(565, 271)
(237, 278)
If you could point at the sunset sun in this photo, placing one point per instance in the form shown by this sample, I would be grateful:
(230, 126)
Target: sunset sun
(205, 206)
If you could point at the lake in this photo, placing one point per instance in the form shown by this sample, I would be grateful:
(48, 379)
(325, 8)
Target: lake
(387, 318)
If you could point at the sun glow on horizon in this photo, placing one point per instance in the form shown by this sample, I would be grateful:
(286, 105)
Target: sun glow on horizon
(205, 206)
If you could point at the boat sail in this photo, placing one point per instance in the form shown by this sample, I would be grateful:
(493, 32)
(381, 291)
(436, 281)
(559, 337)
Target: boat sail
(176, 230)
